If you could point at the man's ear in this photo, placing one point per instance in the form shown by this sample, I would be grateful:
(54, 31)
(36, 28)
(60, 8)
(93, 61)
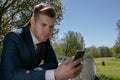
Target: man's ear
(32, 20)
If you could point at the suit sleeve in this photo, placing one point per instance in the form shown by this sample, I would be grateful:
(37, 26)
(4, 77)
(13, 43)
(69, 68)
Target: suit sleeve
(50, 60)
(11, 65)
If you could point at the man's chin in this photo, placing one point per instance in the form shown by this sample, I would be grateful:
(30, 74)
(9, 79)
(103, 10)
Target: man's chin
(44, 40)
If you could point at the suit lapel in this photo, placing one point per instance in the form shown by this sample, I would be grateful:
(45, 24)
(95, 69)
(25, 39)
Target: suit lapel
(29, 43)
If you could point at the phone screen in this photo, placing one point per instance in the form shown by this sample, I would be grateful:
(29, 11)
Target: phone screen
(79, 54)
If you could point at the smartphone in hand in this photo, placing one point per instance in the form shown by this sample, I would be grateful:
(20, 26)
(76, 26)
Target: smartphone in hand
(79, 54)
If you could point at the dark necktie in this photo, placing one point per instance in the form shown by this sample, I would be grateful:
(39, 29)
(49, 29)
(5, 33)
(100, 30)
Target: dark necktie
(38, 48)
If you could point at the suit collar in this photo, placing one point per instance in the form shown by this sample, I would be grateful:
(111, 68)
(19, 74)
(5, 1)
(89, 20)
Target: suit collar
(35, 41)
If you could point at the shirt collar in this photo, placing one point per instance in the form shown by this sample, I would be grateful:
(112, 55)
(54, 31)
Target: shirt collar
(35, 41)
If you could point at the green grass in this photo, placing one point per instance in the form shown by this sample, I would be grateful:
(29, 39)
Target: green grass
(111, 69)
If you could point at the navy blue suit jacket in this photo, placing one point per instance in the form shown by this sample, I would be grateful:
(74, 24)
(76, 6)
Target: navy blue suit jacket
(19, 58)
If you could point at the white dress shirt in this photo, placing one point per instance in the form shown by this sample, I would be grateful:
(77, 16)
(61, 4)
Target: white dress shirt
(49, 74)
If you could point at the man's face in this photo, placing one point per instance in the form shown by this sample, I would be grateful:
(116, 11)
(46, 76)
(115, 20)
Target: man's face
(42, 27)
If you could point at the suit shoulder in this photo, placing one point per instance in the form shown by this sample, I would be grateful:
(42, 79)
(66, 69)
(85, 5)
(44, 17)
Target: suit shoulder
(14, 33)
(17, 30)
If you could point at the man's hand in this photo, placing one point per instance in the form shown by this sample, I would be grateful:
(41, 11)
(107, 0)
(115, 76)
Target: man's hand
(67, 70)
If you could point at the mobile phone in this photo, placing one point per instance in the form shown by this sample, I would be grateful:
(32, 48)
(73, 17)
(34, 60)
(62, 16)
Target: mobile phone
(79, 54)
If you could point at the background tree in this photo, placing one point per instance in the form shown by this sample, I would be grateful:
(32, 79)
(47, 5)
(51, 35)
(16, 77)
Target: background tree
(94, 51)
(105, 51)
(58, 48)
(18, 12)
(71, 42)
(118, 28)
(116, 47)
(101, 51)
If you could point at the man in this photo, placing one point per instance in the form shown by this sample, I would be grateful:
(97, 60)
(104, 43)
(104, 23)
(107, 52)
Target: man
(21, 61)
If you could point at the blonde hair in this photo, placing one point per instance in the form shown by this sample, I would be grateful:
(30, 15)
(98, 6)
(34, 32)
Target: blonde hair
(44, 9)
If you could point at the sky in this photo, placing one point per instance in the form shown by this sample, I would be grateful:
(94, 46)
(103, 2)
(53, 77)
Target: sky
(95, 20)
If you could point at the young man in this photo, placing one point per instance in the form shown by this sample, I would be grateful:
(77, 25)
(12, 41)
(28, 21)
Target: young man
(21, 61)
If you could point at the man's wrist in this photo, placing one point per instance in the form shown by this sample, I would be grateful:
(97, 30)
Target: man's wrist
(56, 75)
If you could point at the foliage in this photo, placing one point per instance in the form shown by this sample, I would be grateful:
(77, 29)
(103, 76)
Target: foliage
(58, 48)
(105, 51)
(101, 51)
(18, 12)
(69, 44)
(93, 51)
(74, 41)
(118, 28)
(116, 47)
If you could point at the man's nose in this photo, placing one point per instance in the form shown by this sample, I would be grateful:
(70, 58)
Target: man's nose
(48, 30)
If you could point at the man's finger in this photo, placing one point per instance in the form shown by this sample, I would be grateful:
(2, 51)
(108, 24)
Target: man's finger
(69, 60)
(76, 62)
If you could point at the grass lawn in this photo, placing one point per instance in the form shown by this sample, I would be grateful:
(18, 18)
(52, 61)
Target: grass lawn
(111, 68)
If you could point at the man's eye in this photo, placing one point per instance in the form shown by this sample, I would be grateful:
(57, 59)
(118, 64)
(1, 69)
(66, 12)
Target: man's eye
(43, 25)
(51, 26)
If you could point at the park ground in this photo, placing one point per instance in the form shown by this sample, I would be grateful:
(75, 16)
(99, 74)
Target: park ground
(110, 70)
